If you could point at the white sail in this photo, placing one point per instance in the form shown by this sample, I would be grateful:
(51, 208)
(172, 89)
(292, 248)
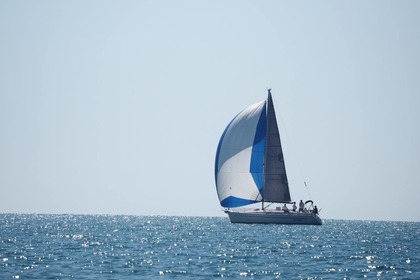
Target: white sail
(238, 177)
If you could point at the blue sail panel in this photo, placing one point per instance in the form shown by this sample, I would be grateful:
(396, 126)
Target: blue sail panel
(232, 201)
(258, 151)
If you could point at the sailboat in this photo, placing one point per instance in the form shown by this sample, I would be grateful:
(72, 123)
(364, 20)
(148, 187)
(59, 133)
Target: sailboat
(250, 171)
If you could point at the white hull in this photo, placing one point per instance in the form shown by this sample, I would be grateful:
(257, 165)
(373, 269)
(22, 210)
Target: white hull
(274, 217)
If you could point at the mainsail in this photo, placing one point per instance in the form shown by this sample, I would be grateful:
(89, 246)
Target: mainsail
(276, 186)
(249, 160)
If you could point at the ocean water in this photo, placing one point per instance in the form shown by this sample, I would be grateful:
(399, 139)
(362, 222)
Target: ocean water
(159, 247)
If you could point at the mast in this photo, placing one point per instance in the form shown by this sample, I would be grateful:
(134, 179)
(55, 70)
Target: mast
(266, 126)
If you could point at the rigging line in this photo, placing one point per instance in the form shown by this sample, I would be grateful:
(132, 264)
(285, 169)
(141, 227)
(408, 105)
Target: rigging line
(268, 205)
(294, 154)
(307, 189)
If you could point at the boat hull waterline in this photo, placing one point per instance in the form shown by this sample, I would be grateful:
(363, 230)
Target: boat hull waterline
(267, 217)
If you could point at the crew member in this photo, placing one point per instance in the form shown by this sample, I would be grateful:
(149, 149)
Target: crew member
(301, 205)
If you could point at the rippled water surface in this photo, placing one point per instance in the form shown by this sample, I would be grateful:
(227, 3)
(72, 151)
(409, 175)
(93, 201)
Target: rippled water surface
(133, 247)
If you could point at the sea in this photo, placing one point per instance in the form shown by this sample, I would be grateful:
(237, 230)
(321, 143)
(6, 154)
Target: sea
(34, 246)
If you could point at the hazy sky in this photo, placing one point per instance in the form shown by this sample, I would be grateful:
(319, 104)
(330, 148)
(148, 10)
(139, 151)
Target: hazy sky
(117, 107)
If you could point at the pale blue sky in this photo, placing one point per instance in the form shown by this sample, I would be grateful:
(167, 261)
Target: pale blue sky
(116, 107)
